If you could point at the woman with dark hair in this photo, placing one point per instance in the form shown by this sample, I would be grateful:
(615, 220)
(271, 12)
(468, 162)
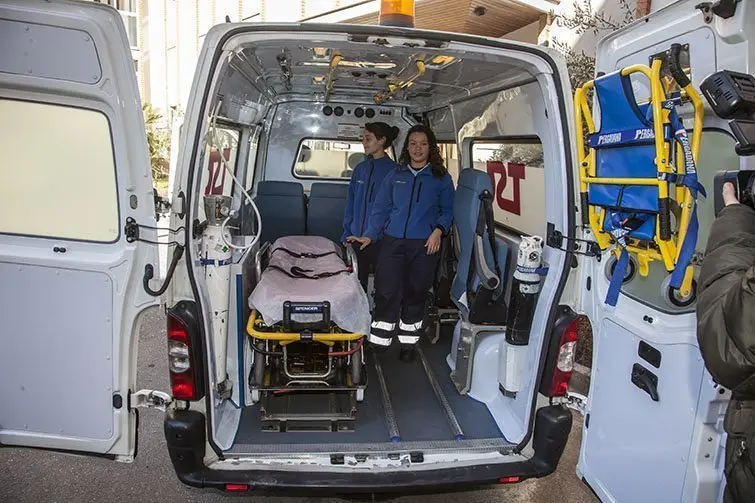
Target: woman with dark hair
(414, 209)
(365, 182)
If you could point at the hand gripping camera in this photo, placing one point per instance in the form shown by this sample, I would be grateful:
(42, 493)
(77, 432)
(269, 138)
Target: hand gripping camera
(732, 96)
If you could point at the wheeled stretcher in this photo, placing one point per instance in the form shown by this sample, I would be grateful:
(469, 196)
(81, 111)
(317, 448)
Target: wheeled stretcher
(638, 176)
(309, 317)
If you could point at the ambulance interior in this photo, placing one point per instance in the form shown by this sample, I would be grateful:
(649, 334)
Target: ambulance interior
(287, 111)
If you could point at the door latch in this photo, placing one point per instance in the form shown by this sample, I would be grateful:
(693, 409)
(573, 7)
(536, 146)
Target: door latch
(555, 239)
(151, 399)
(574, 401)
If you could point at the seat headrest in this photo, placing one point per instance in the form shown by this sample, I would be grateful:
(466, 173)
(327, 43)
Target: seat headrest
(329, 189)
(475, 180)
(279, 188)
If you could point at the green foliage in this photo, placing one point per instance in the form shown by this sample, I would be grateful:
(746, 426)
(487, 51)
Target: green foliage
(158, 140)
(584, 18)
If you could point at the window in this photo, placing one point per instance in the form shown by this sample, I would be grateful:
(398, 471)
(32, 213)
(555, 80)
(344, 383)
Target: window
(716, 153)
(320, 158)
(450, 155)
(516, 169)
(67, 189)
(215, 178)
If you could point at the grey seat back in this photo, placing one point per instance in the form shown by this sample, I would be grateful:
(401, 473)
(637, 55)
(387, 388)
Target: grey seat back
(282, 207)
(327, 202)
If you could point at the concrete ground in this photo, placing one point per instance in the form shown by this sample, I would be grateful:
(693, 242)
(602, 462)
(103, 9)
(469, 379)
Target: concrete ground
(33, 476)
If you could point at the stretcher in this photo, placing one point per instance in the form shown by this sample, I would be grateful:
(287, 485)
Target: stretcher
(309, 316)
(638, 179)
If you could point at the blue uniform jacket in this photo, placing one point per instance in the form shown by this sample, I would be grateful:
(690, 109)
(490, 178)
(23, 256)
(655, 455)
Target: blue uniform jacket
(366, 179)
(411, 207)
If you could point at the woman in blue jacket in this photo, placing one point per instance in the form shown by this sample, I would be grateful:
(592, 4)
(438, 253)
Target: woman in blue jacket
(365, 182)
(414, 209)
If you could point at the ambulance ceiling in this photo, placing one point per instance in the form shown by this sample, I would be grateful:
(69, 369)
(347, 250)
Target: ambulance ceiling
(373, 74)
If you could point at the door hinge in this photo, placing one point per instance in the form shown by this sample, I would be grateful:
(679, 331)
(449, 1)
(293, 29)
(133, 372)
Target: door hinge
(574, 401)
(150, 399)
(555, 239)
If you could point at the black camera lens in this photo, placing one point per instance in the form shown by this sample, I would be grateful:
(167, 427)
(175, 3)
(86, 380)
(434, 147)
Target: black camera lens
(370, 113)
(338, 111)
(327, 110)
(359, 112)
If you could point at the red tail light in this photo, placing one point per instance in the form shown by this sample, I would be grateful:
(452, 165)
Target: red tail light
(567, 346)
(237, 487)
(508, 480)
(179, 360)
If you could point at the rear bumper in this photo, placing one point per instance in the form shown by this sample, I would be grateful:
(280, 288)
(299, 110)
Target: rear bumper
(185, 435)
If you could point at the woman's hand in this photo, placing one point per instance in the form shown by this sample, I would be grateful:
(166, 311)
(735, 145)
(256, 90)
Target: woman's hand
(364, 241)
(433, 242)
(730, 194)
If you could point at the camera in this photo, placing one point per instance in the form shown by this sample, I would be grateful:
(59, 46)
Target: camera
(731, 95)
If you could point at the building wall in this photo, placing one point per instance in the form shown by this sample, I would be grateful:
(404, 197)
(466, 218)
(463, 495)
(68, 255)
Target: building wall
(529, 33)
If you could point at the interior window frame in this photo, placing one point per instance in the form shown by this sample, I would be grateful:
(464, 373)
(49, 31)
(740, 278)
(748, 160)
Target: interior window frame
(391, 154)
(532, 139)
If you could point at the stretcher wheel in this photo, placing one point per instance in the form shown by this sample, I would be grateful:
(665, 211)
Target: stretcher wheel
(628, 274)
(355, 364)
(673, 297)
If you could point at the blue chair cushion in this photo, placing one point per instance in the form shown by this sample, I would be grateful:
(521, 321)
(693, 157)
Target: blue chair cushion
(282, 208)
(327, 202)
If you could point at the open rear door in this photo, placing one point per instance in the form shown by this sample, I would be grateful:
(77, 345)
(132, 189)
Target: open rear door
(75, 172)
(653, 421)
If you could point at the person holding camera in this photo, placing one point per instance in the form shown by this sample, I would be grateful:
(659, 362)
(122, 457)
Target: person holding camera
(726, 334)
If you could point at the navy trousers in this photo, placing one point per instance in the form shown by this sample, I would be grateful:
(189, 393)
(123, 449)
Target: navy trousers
(367, 261)
(405, 273)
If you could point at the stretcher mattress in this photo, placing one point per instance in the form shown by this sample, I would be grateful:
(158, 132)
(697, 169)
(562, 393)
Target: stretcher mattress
(349, 306)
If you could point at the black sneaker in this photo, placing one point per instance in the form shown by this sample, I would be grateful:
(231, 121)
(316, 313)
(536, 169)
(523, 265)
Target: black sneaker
(406, 354)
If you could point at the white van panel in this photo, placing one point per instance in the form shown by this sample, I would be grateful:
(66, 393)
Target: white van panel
(71, 288)
(54, 389)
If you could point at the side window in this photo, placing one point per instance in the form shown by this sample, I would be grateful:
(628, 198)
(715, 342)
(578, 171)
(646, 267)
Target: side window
(64, 187)
(321, 158)
(215, 178)
(516, 169)
(450, 154)
(716, 153)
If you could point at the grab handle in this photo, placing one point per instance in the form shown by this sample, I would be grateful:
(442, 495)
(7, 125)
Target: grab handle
(675, 67)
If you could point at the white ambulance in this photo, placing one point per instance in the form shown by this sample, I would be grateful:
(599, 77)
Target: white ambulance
(271, 132)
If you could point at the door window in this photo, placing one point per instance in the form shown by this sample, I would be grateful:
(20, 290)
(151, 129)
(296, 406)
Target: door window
(516, 169)
(716, 154)
(58, 173)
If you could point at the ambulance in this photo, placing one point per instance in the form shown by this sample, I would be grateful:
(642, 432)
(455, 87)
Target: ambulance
(272, 386)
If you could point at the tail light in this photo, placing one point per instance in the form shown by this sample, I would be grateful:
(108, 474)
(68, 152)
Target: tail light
(237, 487)
(182, 382)
(567, 346)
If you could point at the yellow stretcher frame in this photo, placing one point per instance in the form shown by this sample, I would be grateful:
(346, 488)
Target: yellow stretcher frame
(667, 249)
(284, 338)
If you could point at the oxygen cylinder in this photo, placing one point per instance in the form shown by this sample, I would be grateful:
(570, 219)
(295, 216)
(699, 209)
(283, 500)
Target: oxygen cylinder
(524, 291)
(216, 259)
(524, 294)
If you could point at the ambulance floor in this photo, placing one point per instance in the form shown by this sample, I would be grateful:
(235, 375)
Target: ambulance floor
(420, 416)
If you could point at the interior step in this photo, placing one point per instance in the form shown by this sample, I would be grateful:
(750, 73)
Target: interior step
(418, 403)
